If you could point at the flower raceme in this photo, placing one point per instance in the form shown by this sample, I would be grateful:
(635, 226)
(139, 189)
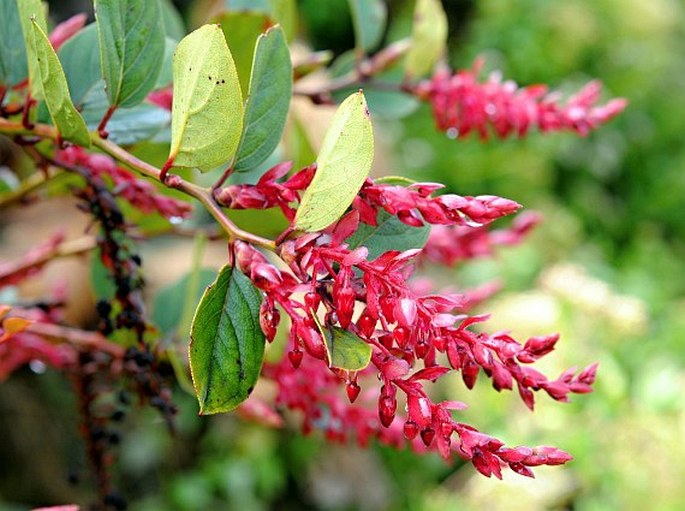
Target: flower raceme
(462, 104)
(322, 284)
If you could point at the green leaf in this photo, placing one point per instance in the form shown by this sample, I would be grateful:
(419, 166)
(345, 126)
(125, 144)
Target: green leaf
(390, 234)
(29, 9)
(172, 21)
(429, 37)
(241, 30)
(344, 162)
(345, 350)
(207, 115)
(68, 121)
(80, 57)
(267, 105)
(169, 302)
(369, 18)
(13, 65)
(131, 48)
(166, 73)
(226, 342)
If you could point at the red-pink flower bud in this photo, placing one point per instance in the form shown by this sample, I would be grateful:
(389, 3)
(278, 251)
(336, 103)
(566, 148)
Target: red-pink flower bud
(366, 325)
(313, 344)
(295, 357)
(401, 336)
(269, 317)
(344, 303)
(312, 300)
(387, 405)
(405, 312)
(419, 409)
(353, 390)
(440, 343)
(427, 435)
(410, 430)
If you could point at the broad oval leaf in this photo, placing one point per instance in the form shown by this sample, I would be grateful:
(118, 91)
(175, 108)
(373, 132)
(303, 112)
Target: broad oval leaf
(429, 37)
(267, 105)
(226, 342)
(342, 166)
(80, 59)
(369, 18)
(390, 234)
(131, 37)
(346, 350)
(28, 10)
(68, 121)
(13, 65)
(207, 112)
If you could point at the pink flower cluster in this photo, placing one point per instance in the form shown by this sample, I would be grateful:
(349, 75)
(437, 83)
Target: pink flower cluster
(462, 104)
(416, 337)
(140, 194)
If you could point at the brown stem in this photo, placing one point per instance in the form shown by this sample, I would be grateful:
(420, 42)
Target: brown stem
(223, 178)
(204, 195)
(102, 131)
(25, 121)
(364, 70)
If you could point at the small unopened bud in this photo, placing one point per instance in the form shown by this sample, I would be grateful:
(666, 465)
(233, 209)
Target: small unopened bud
(353, 390)
(427, 435)
(410, 430)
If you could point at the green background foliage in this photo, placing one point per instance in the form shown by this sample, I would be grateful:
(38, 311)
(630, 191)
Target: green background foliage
(605, 269)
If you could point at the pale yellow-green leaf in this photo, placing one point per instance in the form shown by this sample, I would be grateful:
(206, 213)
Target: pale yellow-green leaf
(342, 166)
(207, 113)
(345, 350)
(429, 37)
(66, 118)
(28, 10)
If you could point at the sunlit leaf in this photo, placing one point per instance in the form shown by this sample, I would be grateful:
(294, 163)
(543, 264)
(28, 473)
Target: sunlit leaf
(207, 115)
(28, 10)
(68, 121)
(227, 343)
(13, 65)
(131, 37)
(268, 102)
(346, 350)
(429, 37)
(369, 18)
(344, 162)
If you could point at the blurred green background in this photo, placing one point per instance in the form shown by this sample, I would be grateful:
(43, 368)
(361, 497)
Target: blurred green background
(606, 269)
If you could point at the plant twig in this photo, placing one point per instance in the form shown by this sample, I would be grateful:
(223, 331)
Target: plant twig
(204, 195)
